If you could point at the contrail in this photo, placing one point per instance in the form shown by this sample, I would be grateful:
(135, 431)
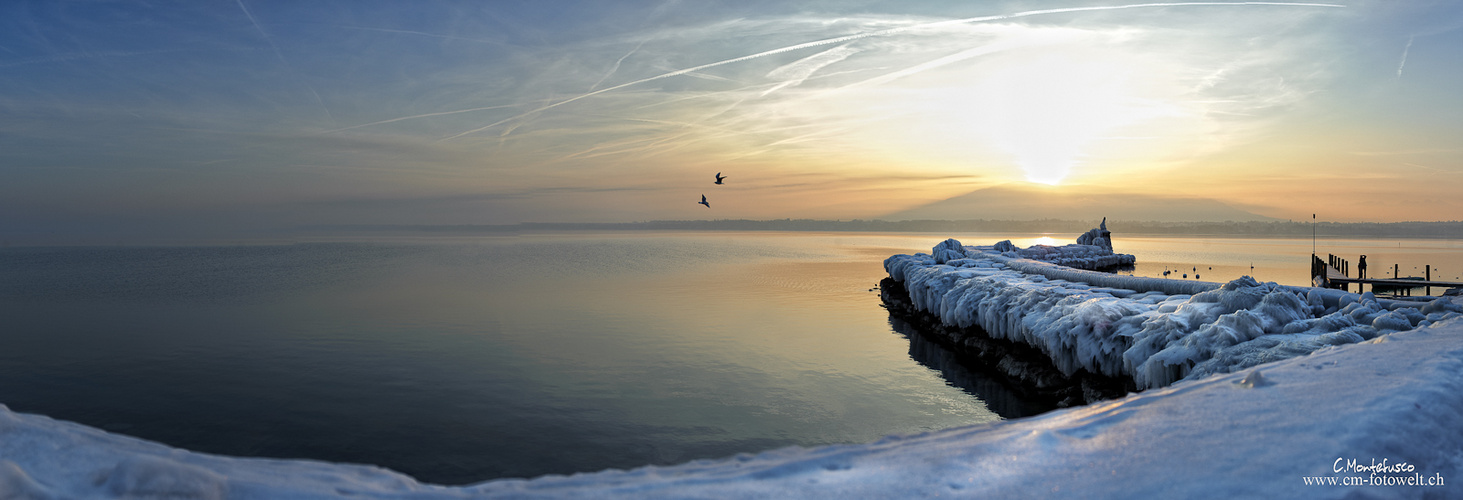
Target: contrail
(1404, 57)
(796, 73)
(423, 33)
(884, 32)
(412, 117)
(950, 59)
(69, 56)
(279, 55)
(260, 29)
(616, 67)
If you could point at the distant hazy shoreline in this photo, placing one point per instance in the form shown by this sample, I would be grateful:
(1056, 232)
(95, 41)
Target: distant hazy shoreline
(222, 236)
(1445, 230)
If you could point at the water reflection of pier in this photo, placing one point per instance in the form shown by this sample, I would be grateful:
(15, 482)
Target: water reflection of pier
(996, 395)
(1334, 272)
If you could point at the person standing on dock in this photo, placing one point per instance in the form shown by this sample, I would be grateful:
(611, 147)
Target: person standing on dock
(1361, 268)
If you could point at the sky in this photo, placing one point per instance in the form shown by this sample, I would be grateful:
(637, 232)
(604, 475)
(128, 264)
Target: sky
(129, 117)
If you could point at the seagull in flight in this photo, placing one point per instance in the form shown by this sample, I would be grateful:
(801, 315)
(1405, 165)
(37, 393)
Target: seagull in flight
(703, 201)
(719, 177)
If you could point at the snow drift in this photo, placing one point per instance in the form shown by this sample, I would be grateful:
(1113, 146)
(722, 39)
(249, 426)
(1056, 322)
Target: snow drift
(1280, 432)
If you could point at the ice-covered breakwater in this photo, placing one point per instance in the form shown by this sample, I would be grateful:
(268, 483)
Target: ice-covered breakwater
(1022, 370)
(1152, 331)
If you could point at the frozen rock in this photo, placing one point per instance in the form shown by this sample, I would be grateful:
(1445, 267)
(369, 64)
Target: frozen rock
(1151, 330)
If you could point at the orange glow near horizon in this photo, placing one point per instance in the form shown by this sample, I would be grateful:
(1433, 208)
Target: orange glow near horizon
(1279, 110)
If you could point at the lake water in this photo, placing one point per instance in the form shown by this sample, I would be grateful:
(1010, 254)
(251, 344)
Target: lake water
(1286, 260)
(461, 360)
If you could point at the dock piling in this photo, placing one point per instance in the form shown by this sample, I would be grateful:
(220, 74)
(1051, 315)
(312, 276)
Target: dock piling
(1331, 273)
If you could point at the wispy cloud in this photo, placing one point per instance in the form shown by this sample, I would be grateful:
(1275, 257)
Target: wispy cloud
(1409, 152)
(869, 34)
(455, 97)
(982, 50)
(74, 56)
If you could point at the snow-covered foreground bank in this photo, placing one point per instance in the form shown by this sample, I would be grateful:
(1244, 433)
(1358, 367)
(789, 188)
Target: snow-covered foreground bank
(1395, 400)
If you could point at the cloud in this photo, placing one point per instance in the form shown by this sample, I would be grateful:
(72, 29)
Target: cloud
(862, 35)
(797, 72)
(432, 104)
(1409, 152)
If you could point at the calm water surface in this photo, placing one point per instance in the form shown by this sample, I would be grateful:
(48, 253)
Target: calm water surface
(461, 360)
(1287, 260)
(464, 360)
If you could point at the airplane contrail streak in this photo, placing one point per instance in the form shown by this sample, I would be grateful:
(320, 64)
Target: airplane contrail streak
(950, 59)
(69, 56)
(425, 115)
(279, 55)
(423, 33)
(260, 29)
(798, 72)
(1404, 57)
(616, 67)
(885, 32)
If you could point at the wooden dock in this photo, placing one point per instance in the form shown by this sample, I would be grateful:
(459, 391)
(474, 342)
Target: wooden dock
(1329, 276)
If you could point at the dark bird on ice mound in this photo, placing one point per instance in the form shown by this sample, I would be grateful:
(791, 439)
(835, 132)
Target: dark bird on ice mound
(719, 177)
(703, 201)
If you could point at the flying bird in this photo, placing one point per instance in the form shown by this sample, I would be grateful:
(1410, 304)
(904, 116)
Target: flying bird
(703, 201)
(719, 177)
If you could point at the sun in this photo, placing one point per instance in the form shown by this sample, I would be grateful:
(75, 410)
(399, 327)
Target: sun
(1047, 109)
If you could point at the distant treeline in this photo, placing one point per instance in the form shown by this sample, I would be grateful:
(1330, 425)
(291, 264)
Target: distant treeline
(1446, 229)
(1449, 229)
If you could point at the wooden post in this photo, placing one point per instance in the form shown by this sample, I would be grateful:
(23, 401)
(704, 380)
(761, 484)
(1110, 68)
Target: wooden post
(1427, 274)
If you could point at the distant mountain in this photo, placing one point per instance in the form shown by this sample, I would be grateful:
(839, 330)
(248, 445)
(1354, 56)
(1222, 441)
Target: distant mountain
(1073, 203)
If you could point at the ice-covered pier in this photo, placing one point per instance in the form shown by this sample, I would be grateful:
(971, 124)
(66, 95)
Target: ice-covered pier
(1150, 331)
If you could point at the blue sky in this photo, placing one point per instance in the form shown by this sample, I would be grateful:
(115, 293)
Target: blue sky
(178, 117)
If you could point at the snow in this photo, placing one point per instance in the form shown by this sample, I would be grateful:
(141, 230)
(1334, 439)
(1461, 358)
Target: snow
(1395, 398)
(1154, 331)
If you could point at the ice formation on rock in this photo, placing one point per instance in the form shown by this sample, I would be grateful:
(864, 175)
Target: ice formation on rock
(1093, 250)
(1098, 236)
(1154, 331)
